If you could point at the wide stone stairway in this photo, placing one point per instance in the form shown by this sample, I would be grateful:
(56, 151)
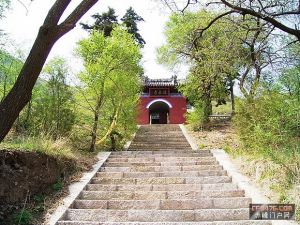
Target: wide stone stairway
(160, 180)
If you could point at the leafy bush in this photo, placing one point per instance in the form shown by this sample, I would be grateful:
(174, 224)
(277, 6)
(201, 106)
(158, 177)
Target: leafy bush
(59, 148)
(269, 126)
(198, 117)
(58, 185)
(22, 218)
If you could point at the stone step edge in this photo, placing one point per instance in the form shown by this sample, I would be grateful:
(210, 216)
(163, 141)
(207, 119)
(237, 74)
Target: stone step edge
(154, 186)
(213, 203)
(176, 215)
(169, 168)
(240, 222)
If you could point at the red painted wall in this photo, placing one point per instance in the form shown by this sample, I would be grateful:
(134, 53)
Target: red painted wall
(176, 113)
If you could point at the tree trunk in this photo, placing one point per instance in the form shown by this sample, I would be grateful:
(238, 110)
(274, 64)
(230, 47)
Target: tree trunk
(113, 123)
(21, 92)
(113, 141)
(207, 109)
(95, 126)
(49, 33)
(232, 97)
(96, 117)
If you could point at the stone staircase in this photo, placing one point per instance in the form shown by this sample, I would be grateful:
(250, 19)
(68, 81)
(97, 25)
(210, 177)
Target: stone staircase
(160, 180)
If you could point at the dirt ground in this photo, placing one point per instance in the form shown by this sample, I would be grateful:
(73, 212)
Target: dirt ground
(35, 182)
(221, 135)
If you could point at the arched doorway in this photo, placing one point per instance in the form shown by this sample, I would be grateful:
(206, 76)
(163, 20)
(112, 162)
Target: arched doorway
(159, 111)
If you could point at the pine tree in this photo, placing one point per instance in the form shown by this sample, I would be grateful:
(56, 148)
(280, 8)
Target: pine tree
(130, 20)
(104, 22)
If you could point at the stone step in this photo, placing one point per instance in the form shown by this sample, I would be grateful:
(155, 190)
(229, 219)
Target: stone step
(159, 140)
(162, 174)
(161, 168)
(157, 215)
(140, 139)
(159, 149)
(163, 180)
(160, 152)
(158, 135)
(160, 180)
(240, 222)
(161, 144)
(160, 126)
(160, 155)
(157, 195)
(171, 187)
(189, 204)
(163, 159)
(164, 164)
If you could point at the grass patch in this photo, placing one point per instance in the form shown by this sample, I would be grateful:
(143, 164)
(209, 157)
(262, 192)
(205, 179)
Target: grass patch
(221, 109)
(24, 217)
(59, 148)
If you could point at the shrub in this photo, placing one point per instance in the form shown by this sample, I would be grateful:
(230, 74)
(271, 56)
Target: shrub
(268, 126)
(23, 217)
(196, 118)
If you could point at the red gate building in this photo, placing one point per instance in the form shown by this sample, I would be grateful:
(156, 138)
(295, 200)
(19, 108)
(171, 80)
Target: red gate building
(161, 102)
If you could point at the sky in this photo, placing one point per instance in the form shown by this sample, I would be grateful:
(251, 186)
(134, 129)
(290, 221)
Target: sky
(22, 26)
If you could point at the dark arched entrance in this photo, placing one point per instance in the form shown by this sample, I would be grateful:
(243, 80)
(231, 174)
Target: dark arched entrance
(159, 113)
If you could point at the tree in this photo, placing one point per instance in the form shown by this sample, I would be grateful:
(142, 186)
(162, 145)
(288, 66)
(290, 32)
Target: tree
(4, 5)
(108, 20)
(215, 57)
(110, 80)
(10, 67)
(49, 33)
(130, 20)
(104, 22)
(282, 14)
(53, 107)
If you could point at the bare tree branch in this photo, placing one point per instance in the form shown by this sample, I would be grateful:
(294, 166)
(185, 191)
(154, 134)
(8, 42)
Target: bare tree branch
(274, 22)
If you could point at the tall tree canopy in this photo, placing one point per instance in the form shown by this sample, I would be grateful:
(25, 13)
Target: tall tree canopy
(50, 31)
(215, 58)
(130, 20)
(111, 83)
(281, 14)
(104, 22)
(108, 20)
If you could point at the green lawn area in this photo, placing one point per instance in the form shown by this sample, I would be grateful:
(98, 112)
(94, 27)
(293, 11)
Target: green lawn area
(221, 109)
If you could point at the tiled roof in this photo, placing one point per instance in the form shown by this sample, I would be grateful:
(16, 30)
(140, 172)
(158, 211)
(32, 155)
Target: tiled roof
(160, 82)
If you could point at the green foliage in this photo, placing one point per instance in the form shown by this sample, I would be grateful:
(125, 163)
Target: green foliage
(39, 201)
(59, 148)
(104, 22)
(10, 67)
(4, 5)
(224, 109)
(58, 185)
(197, 117)
(130, 20)
(23, 217)
(52, 108)
(290, 81)
(109, 97)
(215, 57)
(107, 21)
(269, 126)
